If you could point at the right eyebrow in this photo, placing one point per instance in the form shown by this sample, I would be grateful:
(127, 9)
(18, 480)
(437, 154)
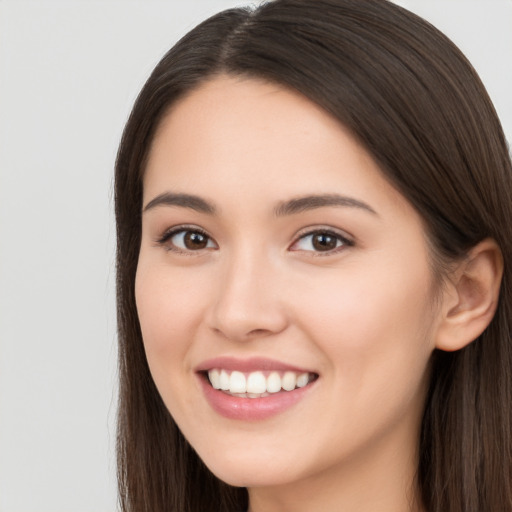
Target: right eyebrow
(183, 200)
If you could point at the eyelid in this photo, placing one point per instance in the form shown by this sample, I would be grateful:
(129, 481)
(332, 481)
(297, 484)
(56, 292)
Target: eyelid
(163, 239)
(346, 239)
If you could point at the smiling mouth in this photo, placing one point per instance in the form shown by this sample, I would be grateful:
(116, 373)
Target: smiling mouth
(258, 384)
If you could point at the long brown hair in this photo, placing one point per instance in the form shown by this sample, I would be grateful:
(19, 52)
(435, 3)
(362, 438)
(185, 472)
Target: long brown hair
(416, 104)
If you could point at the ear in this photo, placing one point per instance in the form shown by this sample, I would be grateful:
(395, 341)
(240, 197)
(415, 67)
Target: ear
(471, 297)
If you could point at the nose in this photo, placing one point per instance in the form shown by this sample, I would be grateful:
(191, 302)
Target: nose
(248, 300)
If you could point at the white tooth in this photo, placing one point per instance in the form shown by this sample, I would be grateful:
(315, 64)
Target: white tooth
(256, 383)
(237, 383)
(253, 395)
(214, 377)
(302, 380)
(274, 383)
(289, 381)
(224, 380)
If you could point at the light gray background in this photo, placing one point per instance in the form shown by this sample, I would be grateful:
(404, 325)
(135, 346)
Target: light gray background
(69, 73)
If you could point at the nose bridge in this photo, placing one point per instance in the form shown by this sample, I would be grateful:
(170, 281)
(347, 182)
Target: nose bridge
(247, 301)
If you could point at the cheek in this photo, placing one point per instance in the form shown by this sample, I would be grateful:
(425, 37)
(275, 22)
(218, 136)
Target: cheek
(168, 310)
(373, 333)
(375, 327)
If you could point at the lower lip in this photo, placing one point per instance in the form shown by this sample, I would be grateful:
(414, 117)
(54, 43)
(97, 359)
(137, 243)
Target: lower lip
(251, 409)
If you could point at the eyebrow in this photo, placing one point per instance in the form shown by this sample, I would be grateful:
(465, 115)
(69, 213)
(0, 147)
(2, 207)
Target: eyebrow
(312, 202)
(184, 200)
(290, 207)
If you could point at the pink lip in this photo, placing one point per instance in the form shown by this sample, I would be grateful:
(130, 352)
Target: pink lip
(250, 409)
(248, 365)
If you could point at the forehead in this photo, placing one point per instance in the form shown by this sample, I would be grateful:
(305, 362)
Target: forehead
(260, 140)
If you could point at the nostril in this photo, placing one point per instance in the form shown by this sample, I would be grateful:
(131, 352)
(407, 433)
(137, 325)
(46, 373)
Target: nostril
(258, 332)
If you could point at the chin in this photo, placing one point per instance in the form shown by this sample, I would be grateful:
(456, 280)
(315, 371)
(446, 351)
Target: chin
(250, 473)
(250, 478)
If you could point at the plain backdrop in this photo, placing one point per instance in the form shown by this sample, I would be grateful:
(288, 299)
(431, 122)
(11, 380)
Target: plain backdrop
(69, 73)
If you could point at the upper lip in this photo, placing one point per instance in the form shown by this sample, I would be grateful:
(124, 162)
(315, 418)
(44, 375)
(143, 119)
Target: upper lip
(248, 365)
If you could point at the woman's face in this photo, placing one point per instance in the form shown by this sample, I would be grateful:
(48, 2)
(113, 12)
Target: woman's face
(275, 255)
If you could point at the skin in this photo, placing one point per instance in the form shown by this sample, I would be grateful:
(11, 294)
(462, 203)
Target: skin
(362, 316)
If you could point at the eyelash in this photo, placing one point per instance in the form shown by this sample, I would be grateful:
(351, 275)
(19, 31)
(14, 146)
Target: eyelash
(168, 235)
(342, 238)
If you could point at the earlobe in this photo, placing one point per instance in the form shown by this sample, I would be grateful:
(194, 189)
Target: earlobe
(471, 297)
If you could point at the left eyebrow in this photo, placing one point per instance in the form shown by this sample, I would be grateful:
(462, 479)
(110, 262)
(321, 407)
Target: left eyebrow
(305, 203)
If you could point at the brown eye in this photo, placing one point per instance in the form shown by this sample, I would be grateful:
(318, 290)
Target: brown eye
(321, 241)
(187, 240)
(324, 242)
(193, 240)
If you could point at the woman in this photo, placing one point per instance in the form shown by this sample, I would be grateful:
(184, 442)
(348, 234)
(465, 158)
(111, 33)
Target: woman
(314, 296)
